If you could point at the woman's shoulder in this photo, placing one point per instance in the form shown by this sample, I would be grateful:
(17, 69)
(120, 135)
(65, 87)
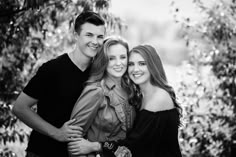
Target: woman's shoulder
(161, 101)
(95, 87)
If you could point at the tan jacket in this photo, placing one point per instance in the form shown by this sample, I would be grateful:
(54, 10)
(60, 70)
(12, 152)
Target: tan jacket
(103, 112)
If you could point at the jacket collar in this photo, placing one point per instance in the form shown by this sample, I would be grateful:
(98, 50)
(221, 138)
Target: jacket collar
(110, 83)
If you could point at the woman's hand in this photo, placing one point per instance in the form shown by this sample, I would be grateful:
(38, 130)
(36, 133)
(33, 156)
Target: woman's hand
(122, 151)
(79, 146)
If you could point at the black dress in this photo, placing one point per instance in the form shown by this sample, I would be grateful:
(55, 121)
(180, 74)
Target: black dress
(155, 134)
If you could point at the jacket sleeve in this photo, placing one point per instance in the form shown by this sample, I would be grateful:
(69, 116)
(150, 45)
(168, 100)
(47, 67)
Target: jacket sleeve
(87, 105)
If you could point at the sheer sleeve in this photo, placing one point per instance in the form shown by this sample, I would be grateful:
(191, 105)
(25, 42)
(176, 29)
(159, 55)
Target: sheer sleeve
(87, 105)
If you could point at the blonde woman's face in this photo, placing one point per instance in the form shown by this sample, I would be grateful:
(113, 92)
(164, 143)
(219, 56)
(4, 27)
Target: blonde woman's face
(138, 71)
(117, 65)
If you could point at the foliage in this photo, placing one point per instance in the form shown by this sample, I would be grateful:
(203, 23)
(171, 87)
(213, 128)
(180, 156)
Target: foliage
(208, 80)
(31, 33)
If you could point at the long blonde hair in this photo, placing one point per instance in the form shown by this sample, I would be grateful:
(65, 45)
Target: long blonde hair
(101, 60)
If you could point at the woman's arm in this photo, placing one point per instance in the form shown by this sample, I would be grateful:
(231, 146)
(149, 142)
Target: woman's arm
(84, 111)
(87, 105)
(81, 146)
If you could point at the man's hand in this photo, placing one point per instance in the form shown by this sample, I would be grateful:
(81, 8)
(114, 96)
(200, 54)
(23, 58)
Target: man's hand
(80, 146)
(68, 131)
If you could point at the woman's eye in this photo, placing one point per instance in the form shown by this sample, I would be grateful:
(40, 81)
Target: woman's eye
(130, 64)
(142, 63)
(101, 37)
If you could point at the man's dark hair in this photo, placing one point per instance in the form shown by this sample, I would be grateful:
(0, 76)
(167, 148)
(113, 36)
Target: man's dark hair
(87, 17)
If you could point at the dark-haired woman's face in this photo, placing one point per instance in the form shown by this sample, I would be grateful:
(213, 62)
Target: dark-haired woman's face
(137, 69)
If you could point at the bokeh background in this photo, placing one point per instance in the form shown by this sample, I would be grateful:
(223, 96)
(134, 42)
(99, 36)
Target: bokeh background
(196, 40)
(153, 22)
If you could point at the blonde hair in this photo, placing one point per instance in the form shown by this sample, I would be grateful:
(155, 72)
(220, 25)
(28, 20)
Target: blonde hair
(101, 60)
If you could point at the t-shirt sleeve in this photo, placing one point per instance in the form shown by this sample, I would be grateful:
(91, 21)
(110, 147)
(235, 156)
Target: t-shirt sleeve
(38, 83)
(87, 105)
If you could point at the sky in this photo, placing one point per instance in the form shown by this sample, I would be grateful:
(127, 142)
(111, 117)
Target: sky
(144, 9)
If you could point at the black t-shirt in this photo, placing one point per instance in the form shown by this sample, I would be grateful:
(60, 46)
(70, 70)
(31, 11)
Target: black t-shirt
(57, 85)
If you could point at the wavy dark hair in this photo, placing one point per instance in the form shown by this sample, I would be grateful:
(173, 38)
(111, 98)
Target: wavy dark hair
(101, 60)
(157, 76)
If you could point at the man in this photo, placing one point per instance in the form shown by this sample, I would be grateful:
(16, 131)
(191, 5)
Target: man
(55, 89)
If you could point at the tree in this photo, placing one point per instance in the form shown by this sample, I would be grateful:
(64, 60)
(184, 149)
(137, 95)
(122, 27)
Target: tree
(208, 85)
(32, 32)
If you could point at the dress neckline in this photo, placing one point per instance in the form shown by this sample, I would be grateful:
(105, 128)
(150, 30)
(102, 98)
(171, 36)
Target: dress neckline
(161, 111)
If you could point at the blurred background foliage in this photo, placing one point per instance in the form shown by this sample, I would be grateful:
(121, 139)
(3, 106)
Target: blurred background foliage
(34, 31)
(207, 88)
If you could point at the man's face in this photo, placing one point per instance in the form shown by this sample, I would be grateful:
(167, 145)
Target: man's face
(90, 39)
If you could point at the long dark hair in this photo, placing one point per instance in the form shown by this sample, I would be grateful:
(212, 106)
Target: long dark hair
(157, 72)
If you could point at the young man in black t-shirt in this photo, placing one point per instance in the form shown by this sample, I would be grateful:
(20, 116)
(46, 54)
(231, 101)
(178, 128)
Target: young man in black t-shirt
(55, 89)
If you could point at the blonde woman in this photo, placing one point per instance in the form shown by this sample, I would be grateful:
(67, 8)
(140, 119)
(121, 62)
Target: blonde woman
(103, 110)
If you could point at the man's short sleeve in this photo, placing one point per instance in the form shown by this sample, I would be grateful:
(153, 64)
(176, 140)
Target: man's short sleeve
(38, 83)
